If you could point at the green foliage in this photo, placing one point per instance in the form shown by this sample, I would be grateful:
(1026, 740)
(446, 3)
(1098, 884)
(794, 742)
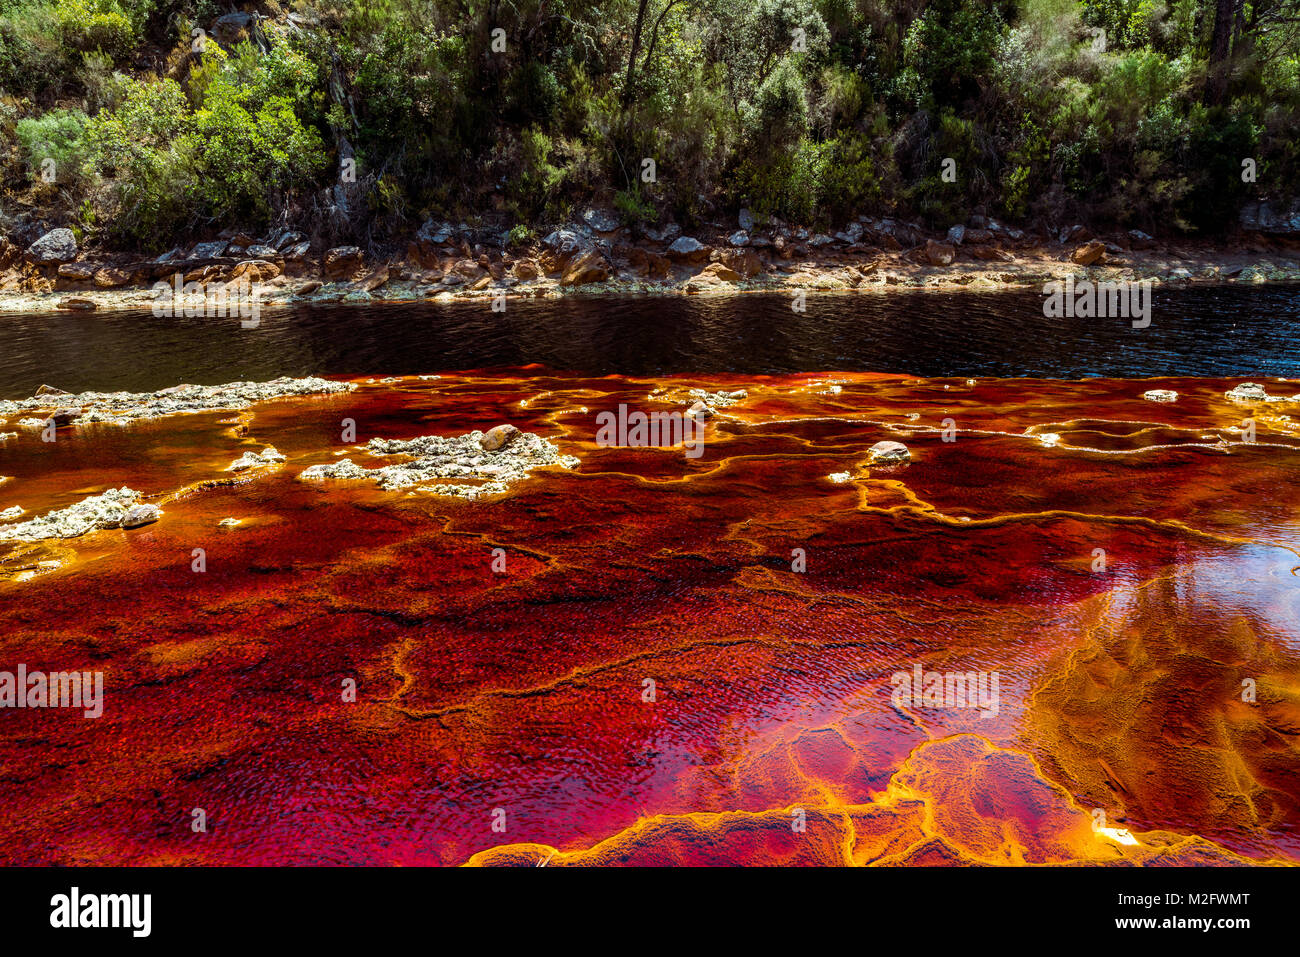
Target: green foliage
(58, 137)
(813, 110)
(252, 145)
(147, 153)
(96, 25)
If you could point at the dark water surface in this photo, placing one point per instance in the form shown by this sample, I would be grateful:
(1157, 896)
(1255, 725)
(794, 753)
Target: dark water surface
(1205, 331)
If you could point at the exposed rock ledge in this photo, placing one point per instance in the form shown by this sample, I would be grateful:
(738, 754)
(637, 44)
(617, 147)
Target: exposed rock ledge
(116, 406)
(469, 460)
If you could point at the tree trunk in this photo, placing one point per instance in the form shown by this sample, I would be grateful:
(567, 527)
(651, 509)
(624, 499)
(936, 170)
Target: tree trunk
(1216, 83)
(636, 46)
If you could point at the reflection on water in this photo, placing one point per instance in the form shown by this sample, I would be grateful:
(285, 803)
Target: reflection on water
(1219, 331)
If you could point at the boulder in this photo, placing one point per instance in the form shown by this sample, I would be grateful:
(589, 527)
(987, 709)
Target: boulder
(956, 234)
(743, 261)
(746, 220)
(256, 270)
(1140, 240)
(56, 246)
(665, 234)
(287, 238)
(718, 271)
(939, 254)
(341, 261)
(110, 277)
(1088, 253)
(888, 453)
(233, 28)
(525, 269)
(1265, 217)
(140, 514)
(76, 304)
(601, 220)
(591, 266)
(76, 272)
(207, 250)
(498, 437)
(688, 249)
(1074, 234)
(739, 238)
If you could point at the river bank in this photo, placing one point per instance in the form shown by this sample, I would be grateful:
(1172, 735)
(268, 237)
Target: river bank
(456, 263)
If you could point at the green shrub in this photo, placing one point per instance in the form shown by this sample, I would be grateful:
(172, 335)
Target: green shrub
(54, 144)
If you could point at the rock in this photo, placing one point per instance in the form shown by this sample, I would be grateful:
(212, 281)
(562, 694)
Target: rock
(56, 246)
(956, 234)
(988, 253)
(233, 28)
(461, 459)
(498, 437)
(308, 287)
(699, 410)
(746, 220)
(1247, 392)
(96, 512)
(1265, 217)
(688, 249)
(373, 281)
(64, 416)
(140, 514)
(564, 246)
(9, 514)
(255, 270)
(110, 277)
(228, 523)
(1140, 240)
(939, 254)
(739, 238)
(1160, 395)
(743, 261)
(978, 237)
(297, 251)
(663, 235)
(601, 220)
(718, 272)
(50, 390)
(888, 453)
(436, 233)
(590, 267)
(210, 250)
(76, 272)
(253, 460)
(1075, 234)
(525, 269)
(1088, 253)
(341, 261)
(74, 303)
(259, 251)
(288, 238)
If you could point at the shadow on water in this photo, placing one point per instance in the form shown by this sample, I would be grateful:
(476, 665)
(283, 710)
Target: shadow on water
(1205, 331)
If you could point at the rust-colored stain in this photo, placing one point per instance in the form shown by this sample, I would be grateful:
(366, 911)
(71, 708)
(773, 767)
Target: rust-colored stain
(649, 680)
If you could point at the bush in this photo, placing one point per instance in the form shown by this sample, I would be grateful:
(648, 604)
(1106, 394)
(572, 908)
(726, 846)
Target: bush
(54, 145)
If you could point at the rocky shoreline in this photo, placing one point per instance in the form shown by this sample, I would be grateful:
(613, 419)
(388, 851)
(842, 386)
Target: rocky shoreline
(599, 256)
